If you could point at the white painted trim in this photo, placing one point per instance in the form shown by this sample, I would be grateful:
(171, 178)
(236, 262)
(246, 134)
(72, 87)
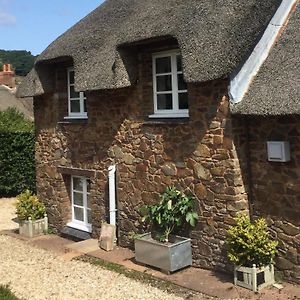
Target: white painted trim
(183, 114)
(175, 112)
(81, 225)
(112, 194)
(81, 99)
(81, 117)
(241, 81)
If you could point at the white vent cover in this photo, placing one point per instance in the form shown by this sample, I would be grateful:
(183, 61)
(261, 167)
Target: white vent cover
(278, 151)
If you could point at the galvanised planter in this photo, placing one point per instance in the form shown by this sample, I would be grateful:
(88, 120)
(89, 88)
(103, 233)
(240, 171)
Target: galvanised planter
(34, 228)
(254, 278)
(168, 257)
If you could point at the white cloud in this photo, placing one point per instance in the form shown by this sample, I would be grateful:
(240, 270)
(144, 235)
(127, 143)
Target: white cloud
(7, 19)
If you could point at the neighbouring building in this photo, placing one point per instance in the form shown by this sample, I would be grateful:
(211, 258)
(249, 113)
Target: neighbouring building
(7, 76)
(203, 96)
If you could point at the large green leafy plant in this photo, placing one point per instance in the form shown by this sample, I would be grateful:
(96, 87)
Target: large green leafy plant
(174, 209)
(29, 206)
(249, 243)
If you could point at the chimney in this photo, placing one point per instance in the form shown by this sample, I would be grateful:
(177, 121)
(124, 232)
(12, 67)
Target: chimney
(8, 68)
(4, 68)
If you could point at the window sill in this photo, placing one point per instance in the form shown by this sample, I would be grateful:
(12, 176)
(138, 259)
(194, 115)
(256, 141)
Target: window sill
(74, 120)
(80, 227)
(169, 115)
(166, 121)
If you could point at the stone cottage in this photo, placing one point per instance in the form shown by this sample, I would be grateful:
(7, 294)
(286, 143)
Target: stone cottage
(203, 95)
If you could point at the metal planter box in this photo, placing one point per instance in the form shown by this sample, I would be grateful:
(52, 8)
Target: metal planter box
(32, 228)
(254, 278)
(168, 257)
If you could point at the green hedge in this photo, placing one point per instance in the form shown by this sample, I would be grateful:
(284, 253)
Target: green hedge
(17, 166)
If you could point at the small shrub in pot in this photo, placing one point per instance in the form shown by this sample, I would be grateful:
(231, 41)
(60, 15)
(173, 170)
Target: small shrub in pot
(252, 252)
(29, 206)
(174, 210)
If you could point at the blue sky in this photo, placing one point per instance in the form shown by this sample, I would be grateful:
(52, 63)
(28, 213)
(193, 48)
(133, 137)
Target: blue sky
(33, 24)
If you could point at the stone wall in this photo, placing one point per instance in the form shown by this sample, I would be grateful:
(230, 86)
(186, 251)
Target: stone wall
(196, 154)
(276, 187)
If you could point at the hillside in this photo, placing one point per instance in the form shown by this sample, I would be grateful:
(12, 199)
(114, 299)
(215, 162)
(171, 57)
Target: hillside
(21, 60)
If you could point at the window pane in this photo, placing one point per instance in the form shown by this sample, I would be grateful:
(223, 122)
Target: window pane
(89, 216)
(163, 65)
(181, 83)
(183, 101)
(84, 106)
(78, 199)
(73, 94)
(77, 184)
(78, 214)
(164, 101)
(164, 83)
(179, 63)
(75, 106)
(71, 77)
(88, 185)
(88, 201)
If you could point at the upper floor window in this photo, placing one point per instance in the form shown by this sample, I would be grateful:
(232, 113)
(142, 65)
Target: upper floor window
(169, 87)
(76, 100)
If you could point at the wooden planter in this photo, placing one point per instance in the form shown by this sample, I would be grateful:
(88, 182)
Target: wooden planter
(254, 278)
(32, 228)
(167, 257)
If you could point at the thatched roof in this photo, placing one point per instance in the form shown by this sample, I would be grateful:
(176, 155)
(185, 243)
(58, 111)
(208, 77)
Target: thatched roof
(276, 88)
(214, 37)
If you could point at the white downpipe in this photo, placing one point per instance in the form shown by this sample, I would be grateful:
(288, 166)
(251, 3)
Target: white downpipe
(112, 194)
(241, 81)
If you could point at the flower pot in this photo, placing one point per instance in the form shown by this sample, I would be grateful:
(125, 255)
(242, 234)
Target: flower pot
(254, 278)
(168, 257)
(32, 228)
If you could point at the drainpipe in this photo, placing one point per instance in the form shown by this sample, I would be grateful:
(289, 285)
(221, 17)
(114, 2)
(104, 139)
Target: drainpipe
(112, 194)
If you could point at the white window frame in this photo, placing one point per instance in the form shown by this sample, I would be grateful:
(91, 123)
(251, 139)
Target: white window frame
(75, 115)
(84, 226)
(175, 112)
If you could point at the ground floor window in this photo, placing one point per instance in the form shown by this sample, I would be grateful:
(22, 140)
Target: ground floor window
(81, 206)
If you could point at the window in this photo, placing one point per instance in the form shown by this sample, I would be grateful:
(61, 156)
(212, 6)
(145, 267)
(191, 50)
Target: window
(76, 100)
(81, 206)
(169, 87)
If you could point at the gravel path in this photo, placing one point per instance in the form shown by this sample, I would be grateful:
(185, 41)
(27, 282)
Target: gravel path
(36, 274)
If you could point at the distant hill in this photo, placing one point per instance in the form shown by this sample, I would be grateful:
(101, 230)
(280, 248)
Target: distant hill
(21, 60)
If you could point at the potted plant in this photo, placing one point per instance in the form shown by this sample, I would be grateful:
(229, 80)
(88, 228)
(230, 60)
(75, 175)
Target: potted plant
(159, 248)
(32, 215)
(252, 253)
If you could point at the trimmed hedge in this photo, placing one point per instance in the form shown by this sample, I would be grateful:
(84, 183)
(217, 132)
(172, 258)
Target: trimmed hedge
(17, 164)
(17, 143)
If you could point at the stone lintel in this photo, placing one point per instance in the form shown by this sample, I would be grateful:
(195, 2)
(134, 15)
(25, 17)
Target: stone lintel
(76, 171)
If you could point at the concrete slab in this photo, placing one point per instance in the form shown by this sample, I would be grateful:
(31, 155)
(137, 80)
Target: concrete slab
(84, 247)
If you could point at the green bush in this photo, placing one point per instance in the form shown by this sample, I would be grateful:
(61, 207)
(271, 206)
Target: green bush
(13, 121)
(249, 243)
(17, 146)
(173, 211)
(29, 206)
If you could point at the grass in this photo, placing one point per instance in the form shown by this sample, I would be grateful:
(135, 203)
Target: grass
(139, 276)
(6, 294)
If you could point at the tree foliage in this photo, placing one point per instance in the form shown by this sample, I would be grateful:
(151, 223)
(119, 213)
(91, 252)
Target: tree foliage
(249, 243)
(21, 60)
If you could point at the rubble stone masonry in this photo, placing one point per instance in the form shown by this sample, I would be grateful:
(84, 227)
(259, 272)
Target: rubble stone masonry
(205, 154)
(276, 187)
